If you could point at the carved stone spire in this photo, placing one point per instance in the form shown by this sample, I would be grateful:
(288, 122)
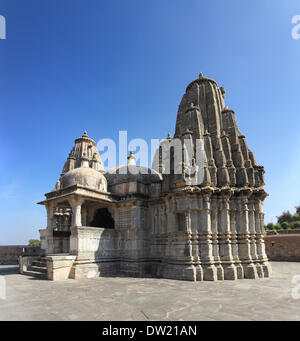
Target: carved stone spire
(85, 148)
(202, 110)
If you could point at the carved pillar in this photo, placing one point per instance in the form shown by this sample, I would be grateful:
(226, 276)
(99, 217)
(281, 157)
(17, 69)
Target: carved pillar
(194, 222)
(234, 241)
(170, 226)
(76, 208)
(205, 241)
(259, 229)
(226, 258)
(161, 231)
(252, 237)
(244, 235)
(214, 237)
(50, 226)
(50, 215)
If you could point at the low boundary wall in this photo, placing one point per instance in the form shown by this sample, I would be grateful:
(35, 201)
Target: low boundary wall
(283, 247)
(9, 254)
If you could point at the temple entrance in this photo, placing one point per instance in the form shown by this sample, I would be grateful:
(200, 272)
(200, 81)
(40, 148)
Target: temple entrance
(103, 218)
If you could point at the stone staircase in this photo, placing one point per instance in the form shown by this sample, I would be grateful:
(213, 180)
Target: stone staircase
(37, 268)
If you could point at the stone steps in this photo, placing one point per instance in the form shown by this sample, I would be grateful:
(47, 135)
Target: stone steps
(34, 268)
(37, 268)
(35, 274)
(38, 263)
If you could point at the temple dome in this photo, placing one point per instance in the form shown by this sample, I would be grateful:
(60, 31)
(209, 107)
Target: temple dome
(84, 176)
(132, 173)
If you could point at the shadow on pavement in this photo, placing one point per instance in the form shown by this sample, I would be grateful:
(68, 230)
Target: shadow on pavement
(9, 269)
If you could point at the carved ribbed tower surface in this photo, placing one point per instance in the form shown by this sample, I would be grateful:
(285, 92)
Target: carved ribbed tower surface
(202, 111)
(85, 148)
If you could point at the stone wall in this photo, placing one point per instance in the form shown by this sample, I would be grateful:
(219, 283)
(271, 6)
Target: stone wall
(283, 247)
(9, 254)
(109, 252)
(293, 231)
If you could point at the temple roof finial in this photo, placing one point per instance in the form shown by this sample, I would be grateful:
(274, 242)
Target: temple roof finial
(131, 159)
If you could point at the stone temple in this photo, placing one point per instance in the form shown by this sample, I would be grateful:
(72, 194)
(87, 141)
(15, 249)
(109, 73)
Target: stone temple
(136, 221)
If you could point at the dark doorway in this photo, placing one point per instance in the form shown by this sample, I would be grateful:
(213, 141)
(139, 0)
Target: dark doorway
(103, 218)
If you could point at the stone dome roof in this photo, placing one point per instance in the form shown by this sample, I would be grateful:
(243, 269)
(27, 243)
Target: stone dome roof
(132, 173)
(84, 176)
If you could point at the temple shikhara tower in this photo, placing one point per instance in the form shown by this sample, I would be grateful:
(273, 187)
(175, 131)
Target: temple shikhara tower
(182, 219)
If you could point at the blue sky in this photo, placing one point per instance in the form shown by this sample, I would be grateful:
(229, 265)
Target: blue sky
(105, 66)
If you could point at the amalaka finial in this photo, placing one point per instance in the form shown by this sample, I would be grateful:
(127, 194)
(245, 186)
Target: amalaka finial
(131, 159)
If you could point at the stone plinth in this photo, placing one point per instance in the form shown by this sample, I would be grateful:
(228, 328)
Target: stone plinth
(59, 266)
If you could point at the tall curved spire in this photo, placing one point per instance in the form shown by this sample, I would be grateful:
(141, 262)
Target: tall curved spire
(202, 111)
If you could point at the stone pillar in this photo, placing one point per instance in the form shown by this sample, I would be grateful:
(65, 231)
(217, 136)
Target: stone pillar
(160, 231)
(226, 258)
(50, 226)
(205, 241)
(214, 237)
(234, 241)
(259, 229)
(244, 235)
(76, 208)
(252, 237)
(170, 221)
(44, 242)
(194, 223)
(170, 216)
(50, 216)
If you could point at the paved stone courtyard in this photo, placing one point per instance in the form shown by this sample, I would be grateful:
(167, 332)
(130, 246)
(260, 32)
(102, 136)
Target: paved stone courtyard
(128, 299)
